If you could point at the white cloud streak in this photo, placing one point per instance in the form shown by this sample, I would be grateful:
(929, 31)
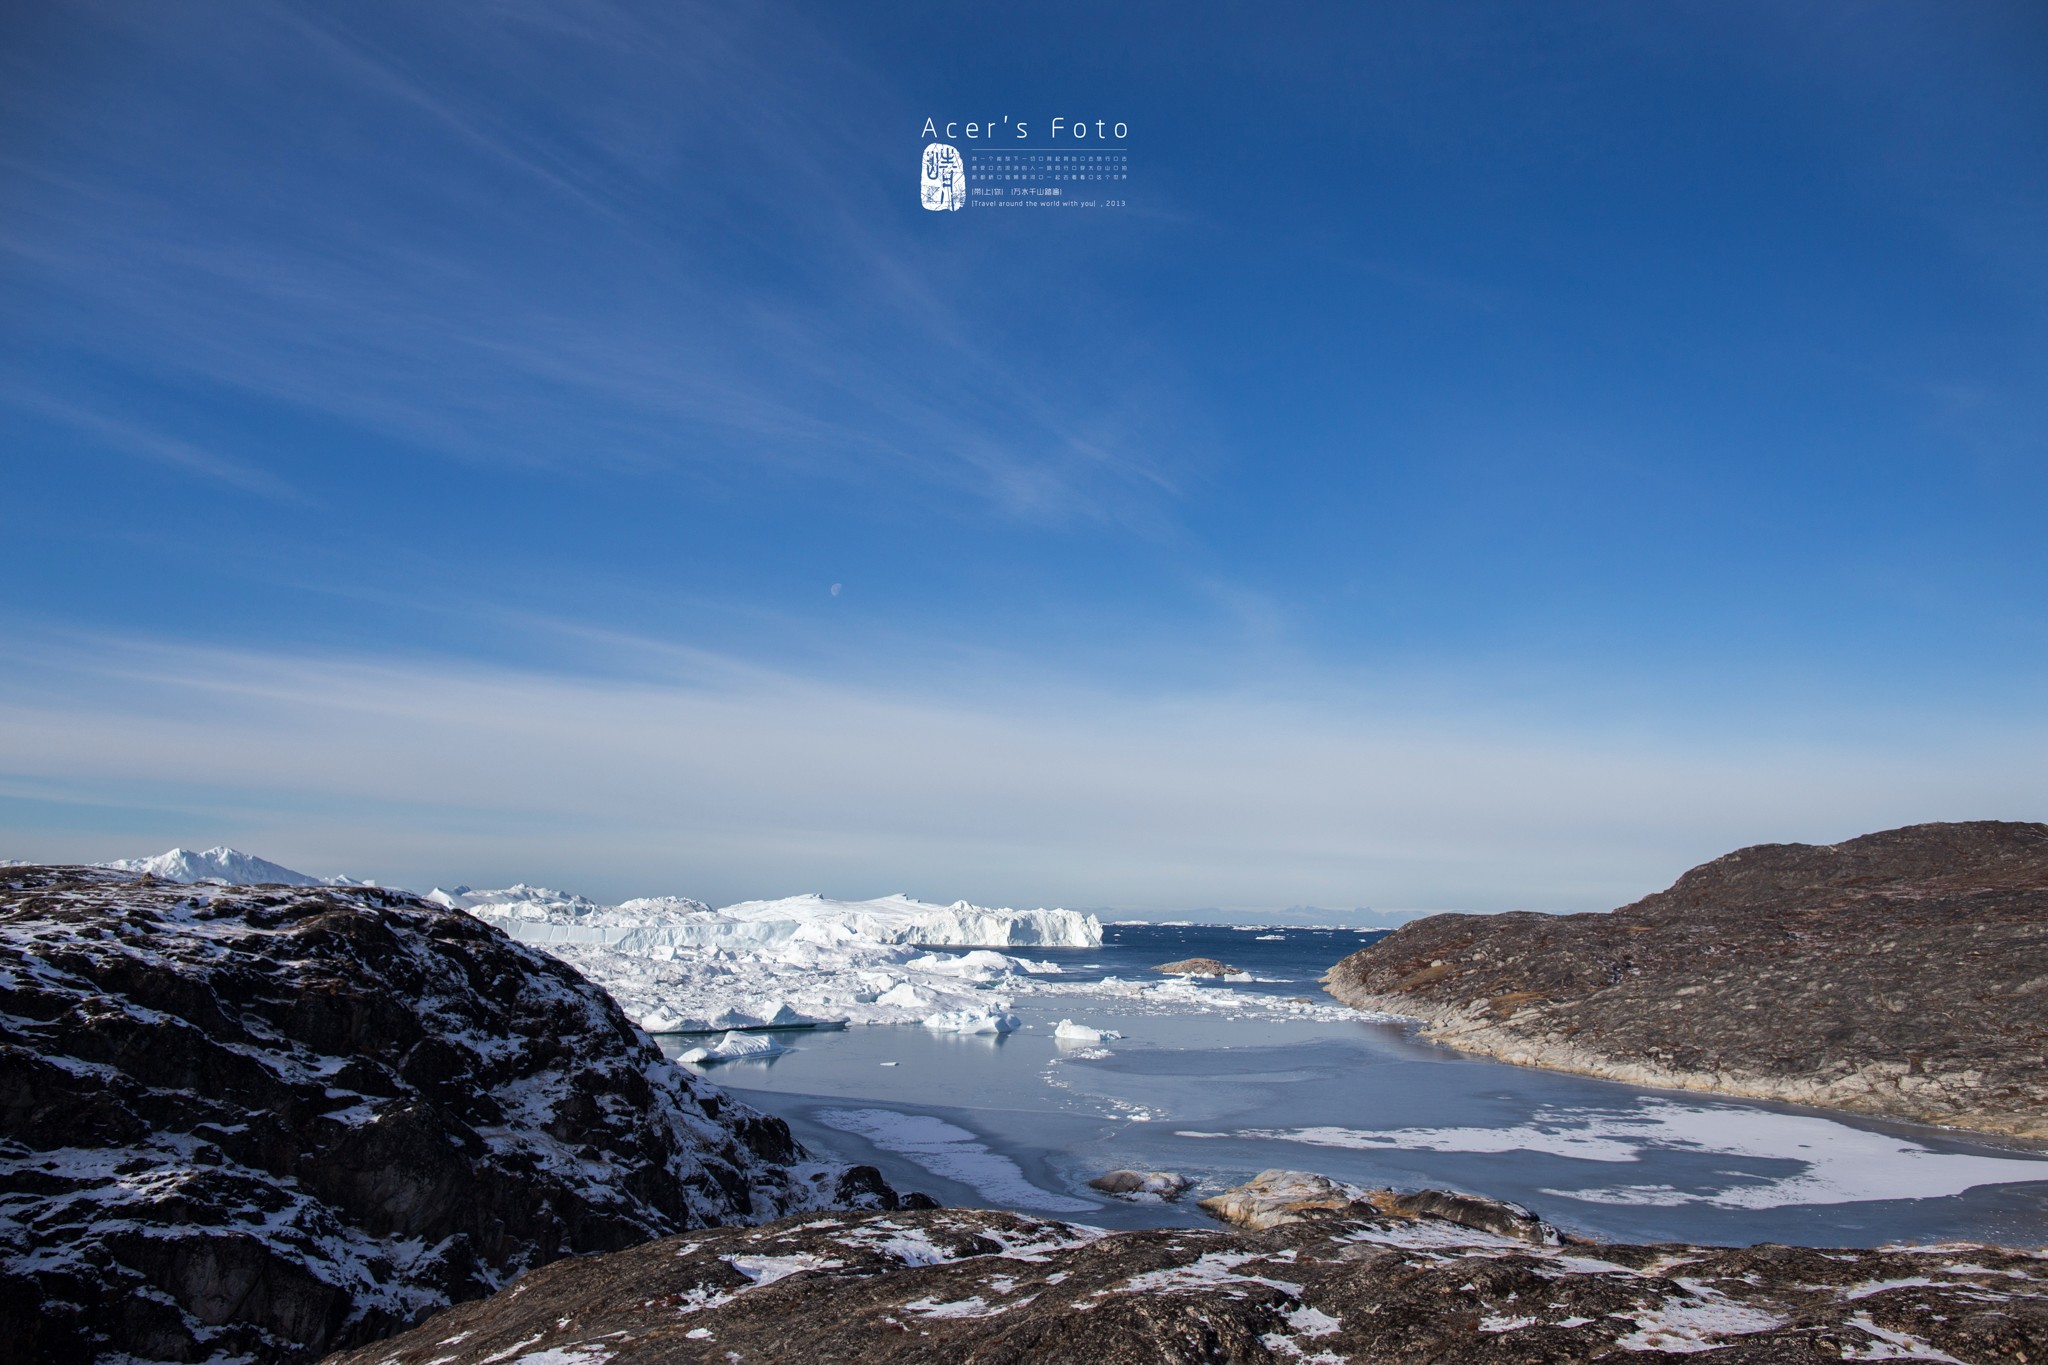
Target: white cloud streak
(726, 780)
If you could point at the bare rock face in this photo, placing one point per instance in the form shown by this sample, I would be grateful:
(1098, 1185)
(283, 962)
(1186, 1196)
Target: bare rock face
(1196, 966)
(1902, 974)
(936, 1288)
(263, 1122)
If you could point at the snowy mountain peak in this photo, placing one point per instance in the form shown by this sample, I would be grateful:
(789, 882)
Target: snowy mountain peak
(226, 865)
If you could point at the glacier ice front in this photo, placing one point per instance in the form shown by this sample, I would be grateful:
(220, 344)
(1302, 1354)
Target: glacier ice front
(539, 915)
(678, 966)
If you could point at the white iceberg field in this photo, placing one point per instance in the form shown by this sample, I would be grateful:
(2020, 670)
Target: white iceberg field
(678, 966)
(539, 915)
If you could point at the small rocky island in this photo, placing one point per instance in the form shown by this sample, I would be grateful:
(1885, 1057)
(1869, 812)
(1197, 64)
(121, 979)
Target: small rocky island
(1197, 966)
(260, 1123)
(1315, 1271)
(1902, 974)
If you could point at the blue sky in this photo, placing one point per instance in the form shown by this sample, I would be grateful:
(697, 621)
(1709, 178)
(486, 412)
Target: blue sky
(1500, 456)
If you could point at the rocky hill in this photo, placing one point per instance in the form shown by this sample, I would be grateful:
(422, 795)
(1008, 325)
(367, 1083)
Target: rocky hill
(264, 1122)
(1902, 974)
(1341, 1279)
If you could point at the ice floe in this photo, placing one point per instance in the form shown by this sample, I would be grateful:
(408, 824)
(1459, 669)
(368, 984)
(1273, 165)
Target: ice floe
(953, 1153)
(1838, 1163)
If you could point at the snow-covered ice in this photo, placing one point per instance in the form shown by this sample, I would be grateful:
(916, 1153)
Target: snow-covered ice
(954, 1153)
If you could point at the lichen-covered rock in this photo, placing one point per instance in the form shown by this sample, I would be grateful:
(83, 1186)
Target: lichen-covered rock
(1002, 1289)
(266, 1121)
(1902, 974)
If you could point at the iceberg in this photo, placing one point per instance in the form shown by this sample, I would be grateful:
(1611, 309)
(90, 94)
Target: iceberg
(734, 1047)
(773, 1015)
(973, 1021)
(1071, 1032)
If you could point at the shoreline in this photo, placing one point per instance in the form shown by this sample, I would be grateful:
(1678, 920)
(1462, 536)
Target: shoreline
(1865, 1092)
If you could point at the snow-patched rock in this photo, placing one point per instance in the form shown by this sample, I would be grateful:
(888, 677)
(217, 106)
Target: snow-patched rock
(263, 1122)
(1358, 1282)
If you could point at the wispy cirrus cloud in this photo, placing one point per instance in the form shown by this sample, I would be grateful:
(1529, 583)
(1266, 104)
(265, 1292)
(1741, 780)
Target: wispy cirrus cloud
(429, 262)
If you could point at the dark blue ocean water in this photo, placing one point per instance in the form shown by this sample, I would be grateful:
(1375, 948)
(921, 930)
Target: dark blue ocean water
(1282, 961)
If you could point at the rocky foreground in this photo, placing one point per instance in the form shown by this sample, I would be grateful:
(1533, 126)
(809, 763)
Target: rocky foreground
(1902, 974)
(1329, 1275)
(263, 1122)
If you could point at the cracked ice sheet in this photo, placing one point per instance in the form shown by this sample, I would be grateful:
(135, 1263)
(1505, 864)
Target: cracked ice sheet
(1841, 1164)
(950, 1151)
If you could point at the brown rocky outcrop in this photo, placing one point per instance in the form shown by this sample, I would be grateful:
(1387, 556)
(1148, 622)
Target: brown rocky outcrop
(1273, 1198)
(937, 1288)
(262, 1122)
(1902, 974)
(1196, 966)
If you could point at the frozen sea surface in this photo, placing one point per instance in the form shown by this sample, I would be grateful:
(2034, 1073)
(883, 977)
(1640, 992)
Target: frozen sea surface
(1024, 1120)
